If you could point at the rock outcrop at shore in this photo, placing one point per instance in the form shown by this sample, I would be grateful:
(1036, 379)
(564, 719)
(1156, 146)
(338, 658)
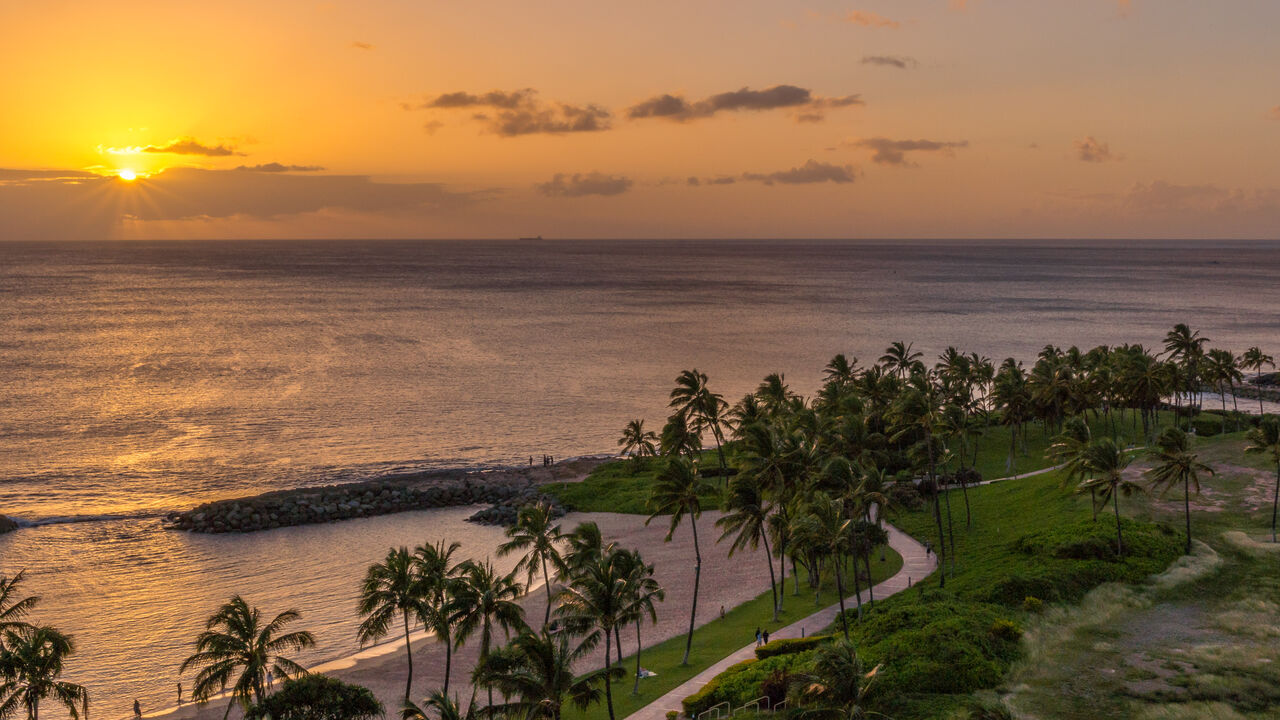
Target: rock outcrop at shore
(505, 491)
(7, 525)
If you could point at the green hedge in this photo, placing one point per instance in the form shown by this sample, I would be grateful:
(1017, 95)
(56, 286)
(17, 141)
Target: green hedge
(786, 646)
(709, 696)
(938, 645)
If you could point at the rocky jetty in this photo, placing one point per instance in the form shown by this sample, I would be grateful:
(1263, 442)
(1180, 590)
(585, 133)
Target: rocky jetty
(7, 525)
(504, 491)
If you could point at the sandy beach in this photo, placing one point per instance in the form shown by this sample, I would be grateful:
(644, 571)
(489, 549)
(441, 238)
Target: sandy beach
(725, 581)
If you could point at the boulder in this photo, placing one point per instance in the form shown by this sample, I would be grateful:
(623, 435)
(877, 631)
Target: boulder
(7, 525)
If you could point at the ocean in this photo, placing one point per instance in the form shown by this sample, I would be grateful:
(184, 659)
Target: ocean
(138, 378)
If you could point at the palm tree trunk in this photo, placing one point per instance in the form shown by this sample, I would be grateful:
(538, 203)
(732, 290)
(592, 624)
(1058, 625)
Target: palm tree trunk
(697, 578)
(546, 616)
(227, 713)
(1186, 504)
(773, 586)
(1275, 503)
(782, 571)
(857, 587)
(408, 652)
(1093, 502)
(448, 661)
(617, 637)
(608, 683)
(951, 529)
(871, 593)
(937, 516)
(1115, 501)
(968, 515)
(844, 619)
(795, 576)
(636, 689)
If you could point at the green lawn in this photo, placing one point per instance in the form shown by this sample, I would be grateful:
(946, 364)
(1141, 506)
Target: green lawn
(717, 639)
(620, 487)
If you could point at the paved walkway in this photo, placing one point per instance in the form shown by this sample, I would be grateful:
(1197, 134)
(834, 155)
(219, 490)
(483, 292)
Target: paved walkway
(916, 564)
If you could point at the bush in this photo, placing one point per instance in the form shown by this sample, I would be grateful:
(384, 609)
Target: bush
(786, 646)
(710, 694)
(1032, 604)
(316, 697)
(775, 686)
(1207, 424)
(749, 683)
(905, 495)
(942, 645)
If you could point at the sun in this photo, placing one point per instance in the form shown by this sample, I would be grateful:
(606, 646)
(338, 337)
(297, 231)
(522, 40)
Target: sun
(127, 174)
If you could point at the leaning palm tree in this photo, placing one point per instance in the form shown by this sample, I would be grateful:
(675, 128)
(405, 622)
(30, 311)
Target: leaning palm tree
(826, 529)
(836, 688)
(236, 640)
(586, 546)
(12, 610)
(642, 592)
(392, 591)
(30, 663)
(1175, 464)
(438, 573)
(678, 492)
(486, 599)
(747, 523)
(537, 535)
(1106, 463)
(1265, 440)
(1068, 451)
(1254, 359)
(638, 442)
(596, 601)
(537, 670)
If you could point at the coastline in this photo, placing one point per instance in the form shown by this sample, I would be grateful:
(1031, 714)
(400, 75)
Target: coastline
(725, 581)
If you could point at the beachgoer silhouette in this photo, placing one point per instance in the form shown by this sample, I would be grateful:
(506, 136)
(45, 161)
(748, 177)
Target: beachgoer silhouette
(721, 612)
(271, 679)
(179, 693)
(137, 708)
(765, 637)
(757, 637)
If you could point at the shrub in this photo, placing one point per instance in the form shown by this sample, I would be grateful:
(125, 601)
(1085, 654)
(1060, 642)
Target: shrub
(775, 686)
(711, 695)
(1006, 630)
(1032, 604)
(747, 684)
(672, 714)
(1207, 424)
(905, 495)
(786, 646)
(316, 697)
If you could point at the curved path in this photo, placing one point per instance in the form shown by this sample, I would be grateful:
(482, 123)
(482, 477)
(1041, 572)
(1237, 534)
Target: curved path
(917, 563)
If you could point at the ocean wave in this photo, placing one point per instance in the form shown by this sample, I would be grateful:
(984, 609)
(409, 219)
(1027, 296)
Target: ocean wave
(71, 519)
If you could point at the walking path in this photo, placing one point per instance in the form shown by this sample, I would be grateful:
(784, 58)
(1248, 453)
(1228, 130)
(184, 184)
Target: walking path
(916, 564)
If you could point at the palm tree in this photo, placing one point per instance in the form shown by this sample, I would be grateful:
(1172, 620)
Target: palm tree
(1222, 370)
(586, 546)
(900, 359)
(485, 598)
(679, 437)
(638, 442)
(1107, 462)
(747, 523)
(1186, 347)
(446, 708)
(704, 409)
(391, 588)
(235, 639)
(12, 610)
(824, 527)
(537, 535)
(1068, 450)
(438, 574)
(537, 669)
(595, 601)
(31, 660)
(836, 688)
(1254, 359)
(642, 592)
(1175, 464)
(677, 492)
(1265, 439)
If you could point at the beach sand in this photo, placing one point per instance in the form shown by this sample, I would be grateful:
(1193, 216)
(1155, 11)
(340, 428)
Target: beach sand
(725, 581)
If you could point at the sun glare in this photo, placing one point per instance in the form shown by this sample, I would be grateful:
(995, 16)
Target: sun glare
(127, 174)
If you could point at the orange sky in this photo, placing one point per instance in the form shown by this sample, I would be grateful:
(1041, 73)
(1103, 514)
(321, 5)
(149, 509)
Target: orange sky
(701, 118)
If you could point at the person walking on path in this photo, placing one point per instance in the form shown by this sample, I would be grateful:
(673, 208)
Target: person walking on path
(765, 637)
(757, 637)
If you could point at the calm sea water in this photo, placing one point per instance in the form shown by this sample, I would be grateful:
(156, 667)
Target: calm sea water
(140, 378)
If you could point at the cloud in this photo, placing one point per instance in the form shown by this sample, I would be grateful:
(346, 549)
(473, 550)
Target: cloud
(898, 61)
(1160, 196)
(894, 152)
(719, 180)
(680, 109)
(58, 204)
(521, 112)
(1091, 150)
(275, 167)
(362, 45)
(811, 172)
(579, 185)
(191, 146)
(870, 19)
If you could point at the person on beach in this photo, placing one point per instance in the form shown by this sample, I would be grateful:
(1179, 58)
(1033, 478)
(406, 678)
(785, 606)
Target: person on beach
(757, 637)
(179, 694)
(721, 612)
(137, 708)
(765, 637)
